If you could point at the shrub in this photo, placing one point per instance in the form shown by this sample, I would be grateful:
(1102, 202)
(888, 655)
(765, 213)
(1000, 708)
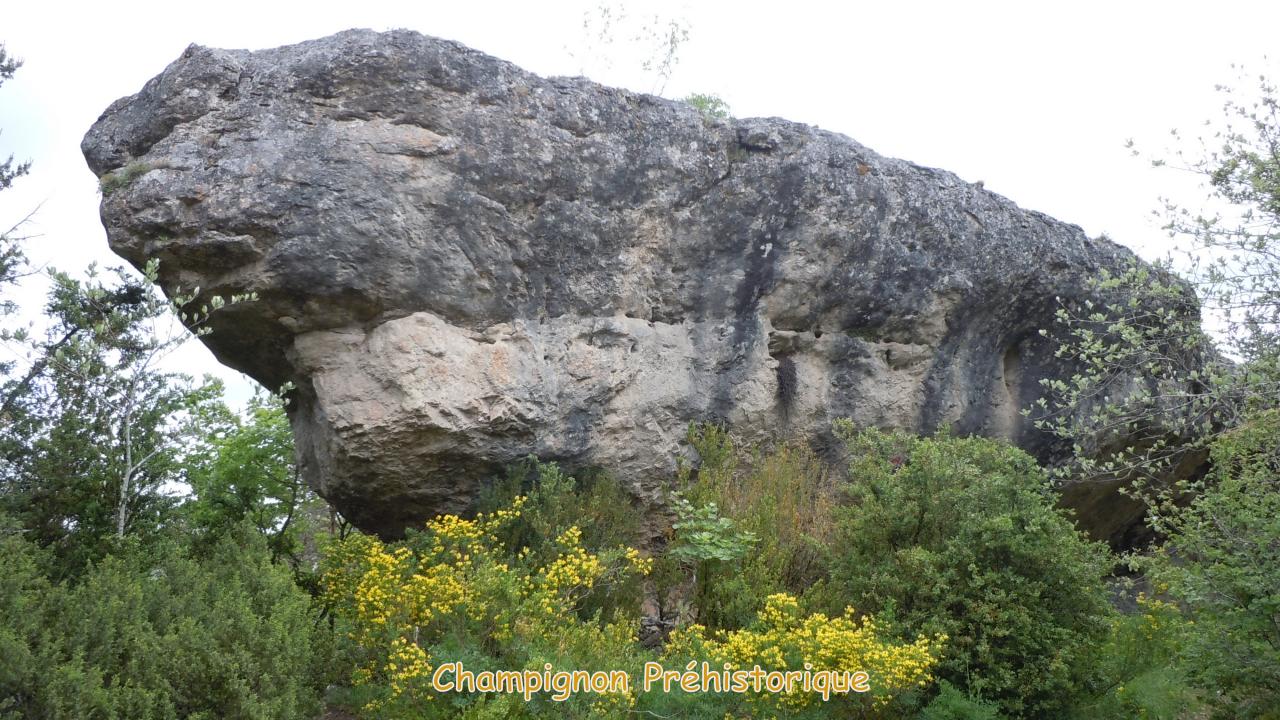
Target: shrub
(123, 177)
(782, 638)
(455, 591)
(951, 704)
(783, 499)
(702, 545)
(151, 632)
(23, 596)
(1222, 560)
(497, 594)
(1139, 672)
(960, 537)
(551, 502)
(711, 106)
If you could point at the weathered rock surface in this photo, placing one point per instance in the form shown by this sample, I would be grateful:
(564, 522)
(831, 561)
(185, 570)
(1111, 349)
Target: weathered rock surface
(459, 263)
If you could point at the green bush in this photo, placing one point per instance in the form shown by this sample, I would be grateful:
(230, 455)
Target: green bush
(23, 593)
(1222, 561)
(1139, 674)
(554, 501)
(951, 704)
(711, 106)
(783, 499)
(1157, 693)
(151, 632)
(123, 177)
(960, 536)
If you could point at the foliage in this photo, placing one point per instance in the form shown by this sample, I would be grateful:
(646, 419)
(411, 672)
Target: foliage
(1201, 397)
(154, 632)
(123, 177)
(702, 535)
(783, 638)
(1159, 693)
(455, 591)
(960, 537)
(1235, 242)
(12, 259)
(783, 499)
(1152, 374)
(951, 704)
(1222, 560)
(712, 107)
(8, 170)
(1143, 395)
(94, 429)
(704, 548)
(23, 595)
(552, 502)
(242, 471)
(1139, 674)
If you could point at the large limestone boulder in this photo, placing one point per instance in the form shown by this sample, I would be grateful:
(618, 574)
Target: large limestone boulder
(459, 264)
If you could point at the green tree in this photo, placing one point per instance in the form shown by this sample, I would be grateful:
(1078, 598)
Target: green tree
(1234, 244)
(960, 537)
(9, 171)
(243, 471)
(1157, 386)
(1222, 561)
(94, 430)
(12, 260)
(1194, 394)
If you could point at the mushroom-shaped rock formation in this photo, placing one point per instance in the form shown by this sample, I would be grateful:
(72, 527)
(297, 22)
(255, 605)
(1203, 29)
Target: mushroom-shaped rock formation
(458, 264)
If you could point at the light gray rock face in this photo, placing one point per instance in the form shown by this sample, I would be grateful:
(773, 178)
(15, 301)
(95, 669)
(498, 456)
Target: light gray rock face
(459, 264)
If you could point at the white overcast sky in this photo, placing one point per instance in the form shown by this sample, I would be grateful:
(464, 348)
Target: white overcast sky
(1036, 99)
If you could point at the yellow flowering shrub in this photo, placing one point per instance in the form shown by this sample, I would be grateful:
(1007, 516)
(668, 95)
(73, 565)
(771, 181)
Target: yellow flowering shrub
(782, 638)
(455, 589)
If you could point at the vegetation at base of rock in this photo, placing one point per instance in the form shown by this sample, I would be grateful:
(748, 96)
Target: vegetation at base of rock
(1220, 561)
(1139, 673)
(960, 536)
(522, 585)
(154, 631)
(954, 536)
(952, 704)
(461, 589)
(784, 499)
(455, 592)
